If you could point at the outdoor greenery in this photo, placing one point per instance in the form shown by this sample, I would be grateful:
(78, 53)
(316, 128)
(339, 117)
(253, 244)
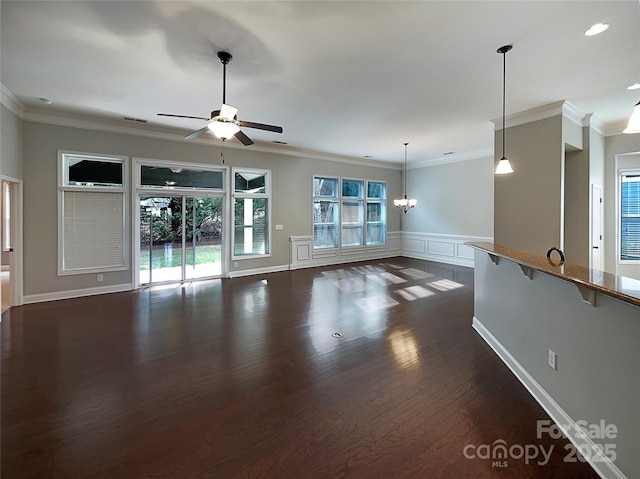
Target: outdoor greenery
(165, 257)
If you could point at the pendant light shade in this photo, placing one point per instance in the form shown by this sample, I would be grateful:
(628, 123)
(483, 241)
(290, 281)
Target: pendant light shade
(634, 121)
(504, 166)
(405, 203)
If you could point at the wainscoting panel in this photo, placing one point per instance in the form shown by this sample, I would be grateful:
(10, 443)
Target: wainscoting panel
(438, 247)
(441, 248)
(304, 256)
(434, 247)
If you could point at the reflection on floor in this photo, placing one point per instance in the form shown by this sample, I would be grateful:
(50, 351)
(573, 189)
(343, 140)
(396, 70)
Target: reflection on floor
(355, 279)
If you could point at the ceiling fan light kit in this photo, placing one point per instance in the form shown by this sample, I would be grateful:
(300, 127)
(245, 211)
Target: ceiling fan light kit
(224, 123)
(223, 129)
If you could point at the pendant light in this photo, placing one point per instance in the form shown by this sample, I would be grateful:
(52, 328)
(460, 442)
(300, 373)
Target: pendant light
(634, 121)
(504, 166)
(405, 203)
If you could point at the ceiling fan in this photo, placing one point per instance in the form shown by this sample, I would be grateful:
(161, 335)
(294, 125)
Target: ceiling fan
(224, 122)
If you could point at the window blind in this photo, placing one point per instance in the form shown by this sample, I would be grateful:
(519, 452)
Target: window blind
(630, 218)
(93, 231)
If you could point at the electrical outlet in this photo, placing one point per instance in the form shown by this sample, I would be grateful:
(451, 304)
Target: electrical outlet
(552, 360)
(235, 265)
(100, 278)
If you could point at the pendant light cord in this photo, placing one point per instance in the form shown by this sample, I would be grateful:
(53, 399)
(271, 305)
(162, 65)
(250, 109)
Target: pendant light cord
(503, 50)
(405, 169)
(504, 89)
(224, 83)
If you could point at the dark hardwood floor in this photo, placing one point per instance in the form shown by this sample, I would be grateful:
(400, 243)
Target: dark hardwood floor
(242, 378)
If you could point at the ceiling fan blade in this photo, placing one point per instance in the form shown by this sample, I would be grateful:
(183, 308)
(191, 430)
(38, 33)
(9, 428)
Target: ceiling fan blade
(229, 112)
(184, 116)
(197, 133)
(261, 126)
(244, 139)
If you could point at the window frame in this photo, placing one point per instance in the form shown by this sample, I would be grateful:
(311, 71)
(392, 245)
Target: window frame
(334, 199)
(622, 173)
(64, 187)
(362, 220)
(375, 200)
(339, 201)
(241, 195)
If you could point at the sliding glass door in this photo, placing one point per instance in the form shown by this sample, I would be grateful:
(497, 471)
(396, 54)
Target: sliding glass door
(180, 238)
(203, 234)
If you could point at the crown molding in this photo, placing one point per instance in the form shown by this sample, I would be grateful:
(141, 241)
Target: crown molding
(110, 125)
(455, 158)
(11, 101)
(529, 116)
(595, 123)
(558, 108)
(612, 129)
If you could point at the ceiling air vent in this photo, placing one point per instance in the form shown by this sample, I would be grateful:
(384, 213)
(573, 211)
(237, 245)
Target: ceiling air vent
(137, 120)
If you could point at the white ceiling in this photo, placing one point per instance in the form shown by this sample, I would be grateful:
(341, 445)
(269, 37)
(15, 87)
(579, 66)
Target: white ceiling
(346, 78)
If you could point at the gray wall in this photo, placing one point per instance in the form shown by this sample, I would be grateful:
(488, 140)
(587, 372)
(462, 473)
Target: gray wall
(453, 199)
(291, 183)
(10, 155)
(528, 202)
(10, 144)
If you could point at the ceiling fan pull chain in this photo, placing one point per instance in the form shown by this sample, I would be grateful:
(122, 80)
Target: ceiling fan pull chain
(222, 152)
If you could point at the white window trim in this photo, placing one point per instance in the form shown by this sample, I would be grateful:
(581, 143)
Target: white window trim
(382, 201)
(362, 199)
(266, 195)
(137, 191)
(140, 162)
(339, 199)
(63, 188)
(622, 172)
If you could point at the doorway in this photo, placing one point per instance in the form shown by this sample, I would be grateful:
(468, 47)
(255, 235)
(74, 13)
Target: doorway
(10, 263)
(180, 238)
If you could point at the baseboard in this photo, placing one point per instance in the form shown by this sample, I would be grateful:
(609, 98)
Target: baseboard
(605, 469)
(254, 271)
(76, 293)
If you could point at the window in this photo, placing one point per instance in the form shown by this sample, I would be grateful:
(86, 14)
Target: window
(325, 212)
(152, 176)
(630, 216)
(251, 199)
(352, 212)
(91, 214)
(376, 212)
(361, 220)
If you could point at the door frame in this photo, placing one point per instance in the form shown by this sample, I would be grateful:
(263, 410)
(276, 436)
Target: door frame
(16, 265)
(138, 191)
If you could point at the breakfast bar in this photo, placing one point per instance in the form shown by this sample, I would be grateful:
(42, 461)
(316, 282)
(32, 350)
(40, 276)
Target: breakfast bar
(571, 335)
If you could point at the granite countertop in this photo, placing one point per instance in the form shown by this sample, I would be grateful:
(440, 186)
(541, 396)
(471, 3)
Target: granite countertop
(619, 287)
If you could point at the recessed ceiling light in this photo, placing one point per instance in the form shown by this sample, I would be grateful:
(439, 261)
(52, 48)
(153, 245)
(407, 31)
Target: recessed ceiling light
(635, 86)
(596, 29)
(46, 101)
